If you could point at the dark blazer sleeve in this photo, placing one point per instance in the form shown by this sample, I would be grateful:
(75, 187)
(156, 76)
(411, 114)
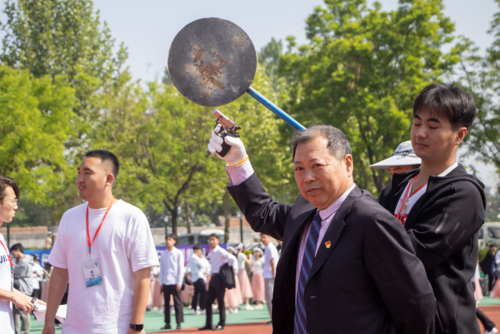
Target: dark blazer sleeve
(447, 223)
(399, 276)
(262, 213)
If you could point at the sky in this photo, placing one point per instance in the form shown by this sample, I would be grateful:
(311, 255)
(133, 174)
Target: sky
(148, 27)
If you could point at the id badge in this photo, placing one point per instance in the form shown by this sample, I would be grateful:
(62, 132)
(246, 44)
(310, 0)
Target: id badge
(92, 273)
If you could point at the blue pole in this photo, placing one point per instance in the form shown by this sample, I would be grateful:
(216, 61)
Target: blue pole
(275, 109)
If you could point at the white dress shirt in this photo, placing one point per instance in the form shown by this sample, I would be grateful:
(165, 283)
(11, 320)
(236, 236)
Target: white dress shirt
(172, 267)
(219, 256)
(197, 268)
(270, 253)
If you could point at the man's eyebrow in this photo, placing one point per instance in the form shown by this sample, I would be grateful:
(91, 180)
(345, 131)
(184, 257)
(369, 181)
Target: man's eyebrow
(85, 168)
(416, 116)
(434, 120)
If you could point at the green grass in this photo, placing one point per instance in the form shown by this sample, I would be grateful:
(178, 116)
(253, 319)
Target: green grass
(487, 301)
(153, 320)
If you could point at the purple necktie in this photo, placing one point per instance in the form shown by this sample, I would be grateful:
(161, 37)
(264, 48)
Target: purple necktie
(300, 319)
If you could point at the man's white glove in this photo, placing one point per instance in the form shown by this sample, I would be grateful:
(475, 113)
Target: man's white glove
(236, 154)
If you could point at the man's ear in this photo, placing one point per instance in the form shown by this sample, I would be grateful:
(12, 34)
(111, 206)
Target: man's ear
(460, 135)
(110, 179)
(349, 164)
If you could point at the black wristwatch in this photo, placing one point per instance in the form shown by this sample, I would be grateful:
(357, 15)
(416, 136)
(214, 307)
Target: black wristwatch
(137, 327)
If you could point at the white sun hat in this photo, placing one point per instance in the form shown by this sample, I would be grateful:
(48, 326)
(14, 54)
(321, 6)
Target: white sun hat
(403, 156)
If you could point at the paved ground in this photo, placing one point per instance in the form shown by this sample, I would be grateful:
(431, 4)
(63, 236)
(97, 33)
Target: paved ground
(250, 322)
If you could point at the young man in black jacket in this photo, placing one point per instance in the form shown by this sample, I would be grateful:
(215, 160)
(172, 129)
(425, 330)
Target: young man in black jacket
(440, 205)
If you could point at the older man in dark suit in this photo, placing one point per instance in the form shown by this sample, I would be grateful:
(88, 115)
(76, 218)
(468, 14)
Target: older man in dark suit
(347, 265)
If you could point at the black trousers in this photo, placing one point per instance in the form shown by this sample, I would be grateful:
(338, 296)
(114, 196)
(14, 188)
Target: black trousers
(200, 291)
(171, 290)
(216, 289)
(491, 280)
(37, 293)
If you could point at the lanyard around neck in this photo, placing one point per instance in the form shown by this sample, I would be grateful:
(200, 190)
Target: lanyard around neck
(89, 243)
(10, 259)
(406, 198)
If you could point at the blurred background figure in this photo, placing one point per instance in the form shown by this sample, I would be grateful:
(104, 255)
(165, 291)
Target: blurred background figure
(233, 296)
(246, 288)
(259, 294)
(269, 271)
(198, 269)
(48, 241)
(37, 277)
(23, 282)
(487, 265)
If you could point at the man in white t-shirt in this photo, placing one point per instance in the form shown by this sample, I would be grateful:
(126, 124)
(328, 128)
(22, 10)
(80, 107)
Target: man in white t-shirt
(105, 249)
(9, 296)
(197, 268)
(269, 271)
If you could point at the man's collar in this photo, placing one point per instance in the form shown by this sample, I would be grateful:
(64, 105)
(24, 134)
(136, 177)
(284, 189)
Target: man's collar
(326, 213)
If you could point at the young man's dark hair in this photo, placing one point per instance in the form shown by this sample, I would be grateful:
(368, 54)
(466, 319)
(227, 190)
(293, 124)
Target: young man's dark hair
(441, 206)
(172, 236)
(196, 247)
(106, 157)
(8, 182)
(447, 100)
(17, 247)
(214, 235)
(493, 245)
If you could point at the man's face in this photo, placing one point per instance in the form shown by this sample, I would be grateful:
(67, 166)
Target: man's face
(199, 253)
(493, 249)
(213, 242)
(399, 169)
(433, 138)
(93, 177)
(16, 254)
(170, 242)
(9, 206)
(265, 239)
(320, 176)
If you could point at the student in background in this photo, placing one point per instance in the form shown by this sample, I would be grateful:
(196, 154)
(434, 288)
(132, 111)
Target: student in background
(401, 161)
(269, 271)
(23, 272)
(233, 296)
(38, 272)
(171, 277)
(259, 293)
(198, 276)
(245, 286)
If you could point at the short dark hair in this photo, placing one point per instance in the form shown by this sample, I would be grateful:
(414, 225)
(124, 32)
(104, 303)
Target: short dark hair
(7, 182)
(338, 144)
(449, 100)
(17, 247)
(196, 247)
(493, 245)
(105, 156)
(172, 235)
(215, 235)
(35, 257)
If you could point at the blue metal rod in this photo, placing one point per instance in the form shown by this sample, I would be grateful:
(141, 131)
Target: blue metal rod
(275, 109)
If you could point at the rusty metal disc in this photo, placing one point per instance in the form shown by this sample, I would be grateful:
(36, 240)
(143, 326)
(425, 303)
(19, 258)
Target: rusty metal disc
(212, 62)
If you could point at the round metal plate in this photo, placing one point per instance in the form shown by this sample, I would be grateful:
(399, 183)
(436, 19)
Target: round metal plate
(212, 62)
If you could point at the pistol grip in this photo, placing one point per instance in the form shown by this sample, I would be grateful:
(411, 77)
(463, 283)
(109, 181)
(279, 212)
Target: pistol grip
(225, 146)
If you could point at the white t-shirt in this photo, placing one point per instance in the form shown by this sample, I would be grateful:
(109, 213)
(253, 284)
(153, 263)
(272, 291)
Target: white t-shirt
(35, 281)
(197, 268)
(270, 253)
(257, 265)
(415, 197)
(241, 261)
(6, 319)
(123, 246)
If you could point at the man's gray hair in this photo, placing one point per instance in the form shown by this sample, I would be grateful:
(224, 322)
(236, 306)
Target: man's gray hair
(337, 142)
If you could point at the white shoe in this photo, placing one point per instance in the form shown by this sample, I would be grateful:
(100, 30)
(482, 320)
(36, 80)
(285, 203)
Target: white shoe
(249, 308)
(172, 310)
(197, 313)
(228, 311)
(493, 331)
(203, 312)
(259, 307)
(161, 310)
(193, 312)
(214, 307)
(235, 310)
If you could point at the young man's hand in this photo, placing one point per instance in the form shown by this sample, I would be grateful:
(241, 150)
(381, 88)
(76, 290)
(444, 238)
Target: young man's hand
(178, 288)
(23, 302)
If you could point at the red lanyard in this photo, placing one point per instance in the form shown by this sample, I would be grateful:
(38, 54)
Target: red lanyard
(406, 198)
(99, 228)
(8, 255)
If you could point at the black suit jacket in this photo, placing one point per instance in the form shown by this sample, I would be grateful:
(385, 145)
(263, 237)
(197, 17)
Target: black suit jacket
(368, 281)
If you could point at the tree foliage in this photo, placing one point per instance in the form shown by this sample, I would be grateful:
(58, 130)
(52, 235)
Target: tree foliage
(362, 69)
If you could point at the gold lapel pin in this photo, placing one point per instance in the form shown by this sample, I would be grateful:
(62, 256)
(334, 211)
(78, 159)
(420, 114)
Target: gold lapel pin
(328, 244)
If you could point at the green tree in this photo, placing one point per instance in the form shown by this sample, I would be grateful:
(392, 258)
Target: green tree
(482, 76)
(362, 69)
(269, 57)
(36, 121)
